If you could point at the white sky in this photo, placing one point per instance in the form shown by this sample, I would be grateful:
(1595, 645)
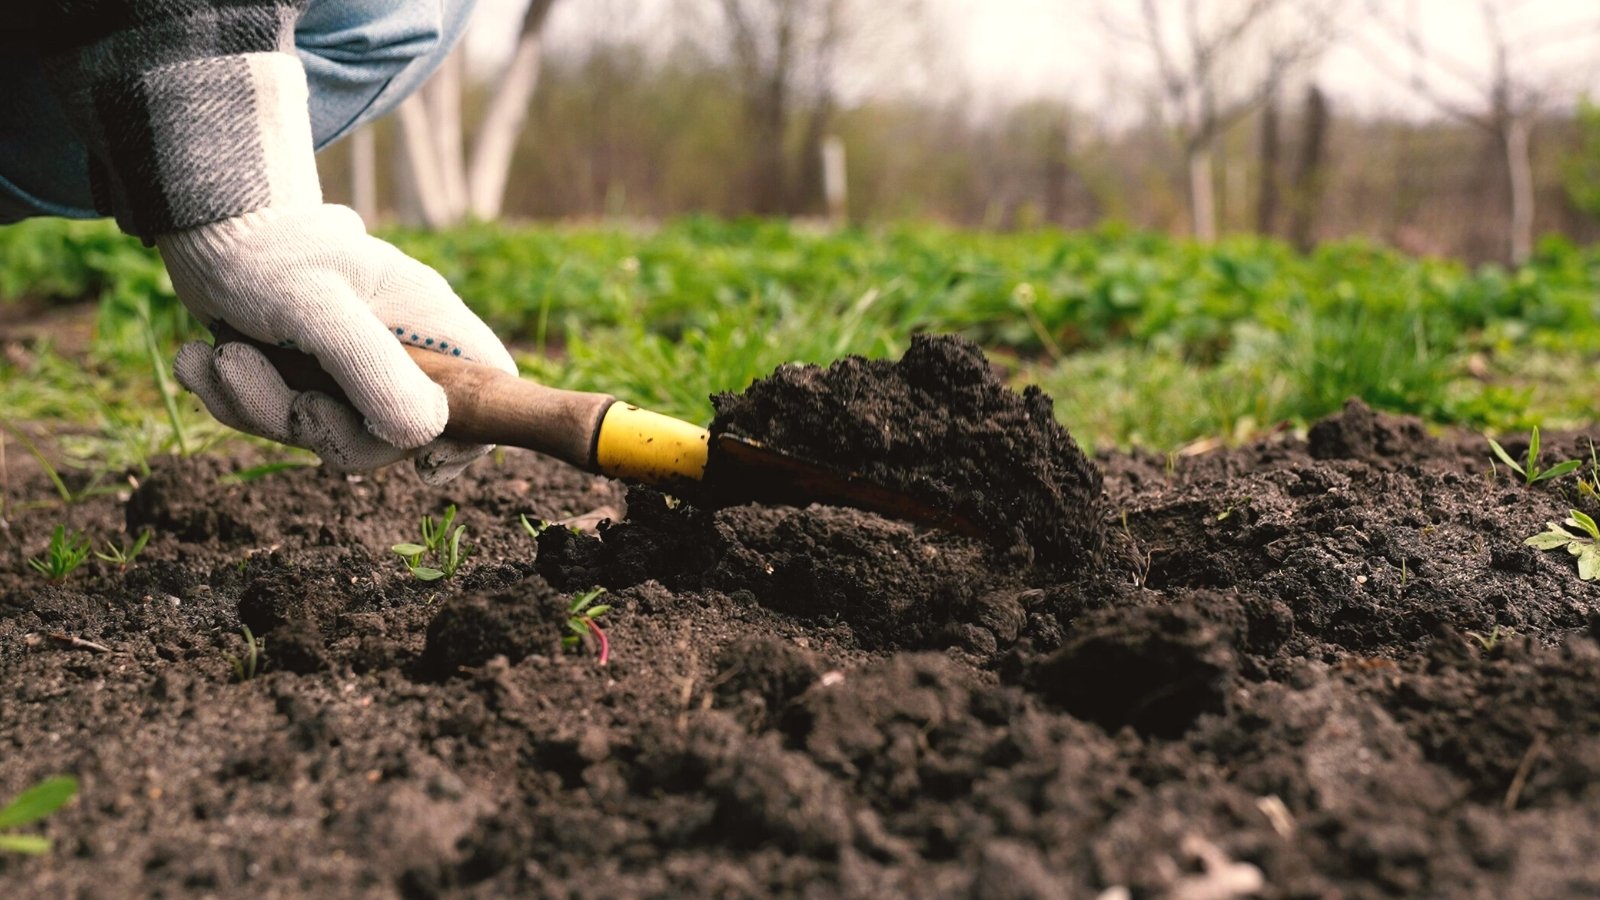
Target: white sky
(1008, 50)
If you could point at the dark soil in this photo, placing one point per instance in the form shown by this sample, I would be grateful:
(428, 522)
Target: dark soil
(1321, 667)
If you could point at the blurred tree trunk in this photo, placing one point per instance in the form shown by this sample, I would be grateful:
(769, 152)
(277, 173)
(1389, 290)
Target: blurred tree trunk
(1309, 171)
(1057, 171)
(835, 184)
(1270, 150)
(443, 95)
(423, 198)
(508, 110)
(440, 190)
(1508, 101)
(364, 173)
(784, 53)
(1202, 191)
(762, 34)
(1519, 172)
(1197, 49)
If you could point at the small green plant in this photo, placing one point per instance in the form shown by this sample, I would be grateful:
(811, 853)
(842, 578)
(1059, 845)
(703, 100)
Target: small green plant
(533, 530)
(440, 545)
(1530, 472)
(1233, 508)
(66, 553)
(1492, 639)
(581, 615)
(31, 806)
(1585, 546)
(246, 667)
(1590, 487)
(123, 557)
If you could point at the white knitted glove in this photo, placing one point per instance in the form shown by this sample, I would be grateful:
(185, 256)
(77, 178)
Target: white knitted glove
(311, 278)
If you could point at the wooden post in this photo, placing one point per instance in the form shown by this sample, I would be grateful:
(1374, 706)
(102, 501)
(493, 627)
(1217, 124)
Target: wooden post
(834, 188)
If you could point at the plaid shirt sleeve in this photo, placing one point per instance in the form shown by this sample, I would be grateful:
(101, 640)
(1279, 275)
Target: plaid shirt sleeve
(194, 111)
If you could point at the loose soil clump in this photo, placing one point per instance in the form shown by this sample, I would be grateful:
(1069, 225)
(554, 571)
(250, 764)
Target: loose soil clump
(1295, 668)
(939, 425)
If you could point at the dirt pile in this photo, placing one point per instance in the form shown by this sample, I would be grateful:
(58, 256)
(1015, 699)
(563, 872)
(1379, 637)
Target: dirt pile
(937, 424)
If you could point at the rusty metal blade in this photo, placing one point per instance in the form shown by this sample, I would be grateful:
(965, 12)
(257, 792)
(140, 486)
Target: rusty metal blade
(741, 470)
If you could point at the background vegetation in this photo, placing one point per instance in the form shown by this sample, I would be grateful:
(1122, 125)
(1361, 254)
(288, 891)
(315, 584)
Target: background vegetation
(1143, 339)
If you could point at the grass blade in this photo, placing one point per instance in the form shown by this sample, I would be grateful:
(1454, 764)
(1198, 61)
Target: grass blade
(38, 801)
(1570, 465)
(1506, 457)
(26, 844)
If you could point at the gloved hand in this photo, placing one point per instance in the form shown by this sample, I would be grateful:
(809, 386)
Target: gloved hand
(311, 278)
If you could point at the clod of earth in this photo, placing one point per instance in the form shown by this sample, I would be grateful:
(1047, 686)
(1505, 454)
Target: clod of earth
(939, 425)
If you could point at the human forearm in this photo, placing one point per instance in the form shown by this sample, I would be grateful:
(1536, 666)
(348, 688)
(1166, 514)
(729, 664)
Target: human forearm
(194, 111)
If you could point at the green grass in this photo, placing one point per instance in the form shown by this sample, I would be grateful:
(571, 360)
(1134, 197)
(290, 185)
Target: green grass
(1142, 339)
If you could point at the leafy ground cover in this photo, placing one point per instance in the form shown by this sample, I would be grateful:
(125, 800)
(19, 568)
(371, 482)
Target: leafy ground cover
(1146, 340)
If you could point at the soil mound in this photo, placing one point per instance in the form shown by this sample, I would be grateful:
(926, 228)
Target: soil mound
(938, 425)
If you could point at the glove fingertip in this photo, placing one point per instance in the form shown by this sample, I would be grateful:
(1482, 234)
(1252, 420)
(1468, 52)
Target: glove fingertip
(444, 460)
(424, 412)
(192, 366)
(335, 433)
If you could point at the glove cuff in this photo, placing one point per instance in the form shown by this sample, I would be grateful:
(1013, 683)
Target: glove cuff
(198, 257)
(208, 139)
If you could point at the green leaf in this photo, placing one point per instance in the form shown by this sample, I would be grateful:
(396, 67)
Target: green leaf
(1582, 520)
(1558, 471)
(424, 573)
(595, 612)
(1505, 457)
(1550, 540)
(38, 801)
(1589, 563)
(409, 550)
(1533, 450)
(29, 844)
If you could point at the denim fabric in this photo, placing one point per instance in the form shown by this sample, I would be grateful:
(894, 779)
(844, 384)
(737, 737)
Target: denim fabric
(362, 57)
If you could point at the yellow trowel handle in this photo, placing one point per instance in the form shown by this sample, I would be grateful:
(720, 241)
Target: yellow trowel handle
(593, 431)
(596, 432)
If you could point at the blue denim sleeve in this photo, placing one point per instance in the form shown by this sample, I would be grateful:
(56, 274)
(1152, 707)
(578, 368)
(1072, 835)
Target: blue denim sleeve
(362, 57)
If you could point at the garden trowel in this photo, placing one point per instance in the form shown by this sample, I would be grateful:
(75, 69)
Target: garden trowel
(599, 433)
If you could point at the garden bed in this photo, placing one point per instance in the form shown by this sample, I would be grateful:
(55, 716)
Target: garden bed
(1310, 667)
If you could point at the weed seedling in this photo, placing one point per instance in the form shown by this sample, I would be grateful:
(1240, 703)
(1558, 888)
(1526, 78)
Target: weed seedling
(1590, 487)
(123, 557)
(30, 806)
(533, 530)
(246, 667)
(440, 546)
(581, 615)
(1586, 546)
(1530, 472)
(66, 553)
(1490, 640)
